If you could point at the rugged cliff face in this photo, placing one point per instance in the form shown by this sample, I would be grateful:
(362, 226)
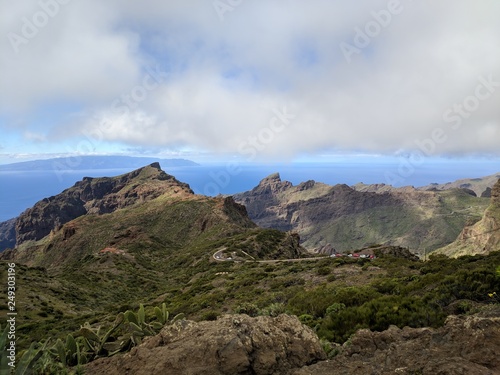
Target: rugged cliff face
(91, 196)
(482, 237)
(145, 212)
(344, 218)
(8, 234)
(263, 203)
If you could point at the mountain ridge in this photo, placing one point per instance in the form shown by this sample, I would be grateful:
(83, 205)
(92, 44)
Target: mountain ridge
(127, 211)
(146, 239)
(362, 215)
(92, 196)
(479, 185)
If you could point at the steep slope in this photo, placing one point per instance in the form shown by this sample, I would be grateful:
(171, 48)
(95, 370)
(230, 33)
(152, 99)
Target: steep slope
(91, 196)
(348, 218)
(141, 237)
(143, 212)
(482, 237)
(8, 234)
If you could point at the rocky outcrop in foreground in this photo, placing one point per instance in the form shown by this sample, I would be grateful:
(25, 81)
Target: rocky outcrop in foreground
(238, 344)
(234, 344)
(465, 345)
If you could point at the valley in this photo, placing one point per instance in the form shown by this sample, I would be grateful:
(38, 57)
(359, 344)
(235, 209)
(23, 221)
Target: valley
(347, 218)
(107, 247)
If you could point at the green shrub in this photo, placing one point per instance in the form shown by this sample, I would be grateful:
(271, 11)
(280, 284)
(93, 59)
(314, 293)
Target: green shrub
(323, 271)
(247, 308)
(210, 315)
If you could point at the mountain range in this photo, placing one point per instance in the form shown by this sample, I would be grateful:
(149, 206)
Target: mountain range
(327, 218)
(113, 245)
(111, 209)
(344, 218)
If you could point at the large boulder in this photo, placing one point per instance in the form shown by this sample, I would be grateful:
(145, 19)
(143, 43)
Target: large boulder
(231, 345)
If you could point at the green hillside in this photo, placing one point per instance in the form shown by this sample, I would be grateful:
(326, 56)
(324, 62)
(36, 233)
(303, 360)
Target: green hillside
(203, 257)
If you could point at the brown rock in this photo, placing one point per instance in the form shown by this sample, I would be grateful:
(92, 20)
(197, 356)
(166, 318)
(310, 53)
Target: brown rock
(465, 345)
(234, 344)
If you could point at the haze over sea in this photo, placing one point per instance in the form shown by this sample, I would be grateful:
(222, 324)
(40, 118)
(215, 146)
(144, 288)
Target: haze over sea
(20, 190)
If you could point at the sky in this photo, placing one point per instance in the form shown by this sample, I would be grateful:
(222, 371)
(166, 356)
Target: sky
(253, 80)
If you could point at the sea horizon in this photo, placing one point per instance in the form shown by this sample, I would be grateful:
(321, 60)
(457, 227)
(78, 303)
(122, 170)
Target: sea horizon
(22, 189)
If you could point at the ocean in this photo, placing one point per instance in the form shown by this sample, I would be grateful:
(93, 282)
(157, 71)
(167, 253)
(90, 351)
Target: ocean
(20, 190)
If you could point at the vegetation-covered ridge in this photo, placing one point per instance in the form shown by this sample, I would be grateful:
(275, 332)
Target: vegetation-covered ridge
(162, 250)
(334, 296)
(102, 262)
(90, 196)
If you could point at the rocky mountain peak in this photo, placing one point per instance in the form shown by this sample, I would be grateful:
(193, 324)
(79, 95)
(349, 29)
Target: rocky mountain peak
(273, 178)
(272, 184)
(156, 165)
(95, 196)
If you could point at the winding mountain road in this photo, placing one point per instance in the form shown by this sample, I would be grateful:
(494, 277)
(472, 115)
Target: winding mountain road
(219, 258)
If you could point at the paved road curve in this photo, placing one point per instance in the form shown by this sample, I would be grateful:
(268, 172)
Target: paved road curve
(218, 257)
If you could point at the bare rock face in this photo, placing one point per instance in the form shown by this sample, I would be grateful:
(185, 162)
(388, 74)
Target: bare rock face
(325, 249)
(8, 234)
(232, 345)
(263, 205)
(486, 193)
(95, 196)
(465, 345)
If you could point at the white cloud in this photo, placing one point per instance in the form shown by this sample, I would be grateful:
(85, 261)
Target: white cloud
(392, 94)
(76, 56)
(35, 137)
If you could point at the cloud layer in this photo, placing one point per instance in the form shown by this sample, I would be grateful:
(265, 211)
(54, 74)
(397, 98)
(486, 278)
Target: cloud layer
(374, 76)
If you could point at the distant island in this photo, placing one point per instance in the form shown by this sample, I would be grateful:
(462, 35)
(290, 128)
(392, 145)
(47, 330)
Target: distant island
(93, 162)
